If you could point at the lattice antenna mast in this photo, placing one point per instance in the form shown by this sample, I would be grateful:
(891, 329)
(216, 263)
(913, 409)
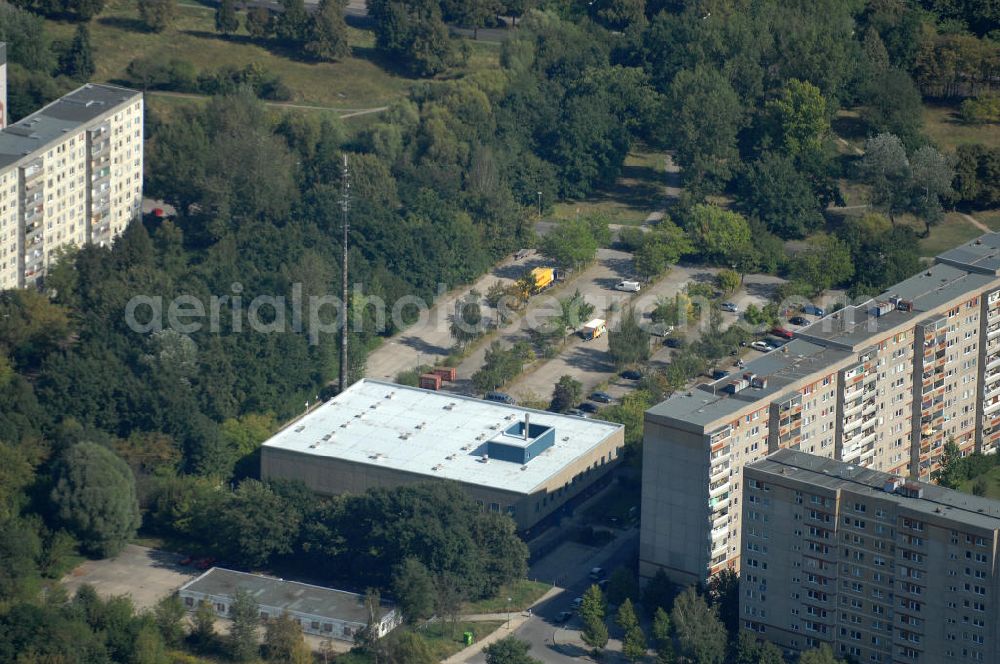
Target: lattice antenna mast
(345, 207)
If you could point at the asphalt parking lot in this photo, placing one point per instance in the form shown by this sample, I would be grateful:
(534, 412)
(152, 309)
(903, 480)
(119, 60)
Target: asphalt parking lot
(146, 575)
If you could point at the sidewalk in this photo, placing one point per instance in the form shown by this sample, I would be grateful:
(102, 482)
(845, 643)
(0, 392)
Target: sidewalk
(516, 620)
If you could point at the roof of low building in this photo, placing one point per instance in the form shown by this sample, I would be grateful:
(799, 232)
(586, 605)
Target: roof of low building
(81, 106)
(291, 596)
(834, 475)
(436, 434)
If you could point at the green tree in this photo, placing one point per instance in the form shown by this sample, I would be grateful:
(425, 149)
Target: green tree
(628, 343)
(633, 640)
(203, 625)
(663, 636)
(291, 25)
(750, 651)
(728, 281)
(821, 655)
(622, 585)
(571, 244)
(703, 115)
(226, 19)
(701, 636)
(328, 32)
(825, 262)
(894, 105)
(574, 311)
(169, 616)
(245, 619)
(930, 179)
(801, 119)
(951, 474)
(253, 524)
(718, 234)
(413, 587)
(724, 595)
(659, 592)
(886, 169)
(660, 249)
(977, 175)
(980, 488)
(779, 194)
(566, 394)
(94, 497)
(412, 31)
(467, 322)
(595, 631)
(157, 15)
(509, 650)
(148, 647)
(283, 641)
(409, 647)
(78, 60)
(259, 22)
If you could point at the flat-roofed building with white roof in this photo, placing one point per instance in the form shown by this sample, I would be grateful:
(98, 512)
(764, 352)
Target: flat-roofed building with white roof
(523, 462)
(336, 614)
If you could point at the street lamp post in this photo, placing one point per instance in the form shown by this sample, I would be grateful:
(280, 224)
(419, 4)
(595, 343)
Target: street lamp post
(539, 204)
(508, 612)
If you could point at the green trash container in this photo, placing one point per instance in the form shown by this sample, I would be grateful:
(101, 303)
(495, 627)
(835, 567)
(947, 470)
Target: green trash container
(469, 638)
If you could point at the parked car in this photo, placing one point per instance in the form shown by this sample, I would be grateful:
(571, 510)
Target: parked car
(587, 407)
(205, 563)
(597, 573)
(601, 397)
(762, 346)
(660, 329)
(798, 320)
(563, 616)
(501, 397)
(673, 342)
(631, 374)
(578, 412)
(730, 307)
(813, 310)
(577, 603)
(782, 332)
(628, 286)
(719, 373)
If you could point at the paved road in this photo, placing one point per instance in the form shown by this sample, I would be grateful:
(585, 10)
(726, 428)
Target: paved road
(430, 338)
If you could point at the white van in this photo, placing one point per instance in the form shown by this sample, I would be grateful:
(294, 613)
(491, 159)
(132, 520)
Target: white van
(628, 286)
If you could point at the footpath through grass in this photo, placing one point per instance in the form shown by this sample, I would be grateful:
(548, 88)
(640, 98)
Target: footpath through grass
(357, 82)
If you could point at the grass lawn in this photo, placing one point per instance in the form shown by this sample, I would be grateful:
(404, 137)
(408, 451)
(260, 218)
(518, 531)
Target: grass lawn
(951, 232)
(989, 217)
(445, 639)
(522, 593)
(356, 83)
(992, 478)
(638, 191)
(945, 127)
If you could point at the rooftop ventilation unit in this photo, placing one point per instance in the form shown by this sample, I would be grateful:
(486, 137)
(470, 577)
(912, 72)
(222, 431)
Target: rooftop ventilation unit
(450, 457)
(405, 435)
(328, 436)
(344, 425)
(374, 405)
(300, 428)
(449, 406)
(421, 425)
(359, 415)
(390, 395)
(437, 467)
(485, 458)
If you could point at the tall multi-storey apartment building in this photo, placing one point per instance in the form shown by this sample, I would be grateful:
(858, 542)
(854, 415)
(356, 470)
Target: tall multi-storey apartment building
(70, 173)
(882, 384)
(883, 570)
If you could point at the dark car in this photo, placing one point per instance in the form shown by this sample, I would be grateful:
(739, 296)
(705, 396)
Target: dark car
(563, 616)
(577, 412)
(601, 397)
(500, 397)
(673, 342)
(631, 374)
(719, 373)
(798, 320)
(782, 332)
(587, 407)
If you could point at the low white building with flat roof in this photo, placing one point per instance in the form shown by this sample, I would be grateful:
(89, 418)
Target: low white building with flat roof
(336, 614)
(523, 462)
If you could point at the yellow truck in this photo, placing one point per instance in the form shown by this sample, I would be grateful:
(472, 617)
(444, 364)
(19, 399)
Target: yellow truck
(593, 329)
(539, 279)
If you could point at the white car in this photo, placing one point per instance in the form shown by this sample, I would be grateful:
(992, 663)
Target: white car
(628, 286)
(762, 346)
(730, 307)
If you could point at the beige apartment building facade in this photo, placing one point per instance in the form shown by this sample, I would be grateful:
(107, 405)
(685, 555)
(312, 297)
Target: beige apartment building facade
(883, 384)
(882, 569)
(70, 174)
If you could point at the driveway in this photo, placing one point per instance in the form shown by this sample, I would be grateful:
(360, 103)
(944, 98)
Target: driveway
(146, 575)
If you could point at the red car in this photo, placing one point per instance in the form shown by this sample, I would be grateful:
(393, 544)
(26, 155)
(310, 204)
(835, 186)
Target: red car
(782, 332)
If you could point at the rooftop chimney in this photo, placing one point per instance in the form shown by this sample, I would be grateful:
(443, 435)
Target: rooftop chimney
(527, 421)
